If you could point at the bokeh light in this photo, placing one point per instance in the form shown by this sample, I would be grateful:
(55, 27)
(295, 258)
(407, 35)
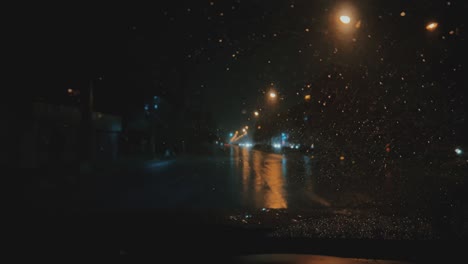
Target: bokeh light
(432, 26)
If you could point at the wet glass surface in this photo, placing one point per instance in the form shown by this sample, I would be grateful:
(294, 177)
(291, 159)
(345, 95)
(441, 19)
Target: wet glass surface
(322, 116)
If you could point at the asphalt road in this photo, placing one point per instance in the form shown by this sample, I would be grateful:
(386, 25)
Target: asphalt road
(242, 178)
(321, 197)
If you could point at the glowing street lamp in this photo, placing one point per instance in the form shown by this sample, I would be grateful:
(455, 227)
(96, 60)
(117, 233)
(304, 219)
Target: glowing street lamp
(256, 113)
(432, 26)
(345, 19)
(272, 95)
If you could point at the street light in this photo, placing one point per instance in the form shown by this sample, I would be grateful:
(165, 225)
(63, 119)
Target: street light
(272, 95)
(256, 113)
(345, 19)
(432, 26)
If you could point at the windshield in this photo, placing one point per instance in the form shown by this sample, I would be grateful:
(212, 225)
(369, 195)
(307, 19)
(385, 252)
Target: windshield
(321, 119)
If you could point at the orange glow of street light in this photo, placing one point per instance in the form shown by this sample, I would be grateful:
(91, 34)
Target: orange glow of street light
(307, 97)
(256, 113)
(432, 26)
(272, 95)
(358, 24)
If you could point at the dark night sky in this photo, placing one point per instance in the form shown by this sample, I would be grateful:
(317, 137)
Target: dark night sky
(288, 43)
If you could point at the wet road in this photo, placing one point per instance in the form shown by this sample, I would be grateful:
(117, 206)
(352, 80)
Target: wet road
(392, 199)
(241, 178)
(316, 196)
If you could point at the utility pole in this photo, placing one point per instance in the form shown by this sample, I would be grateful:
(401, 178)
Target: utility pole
(86, 134)
(152, 115)
(91, 97)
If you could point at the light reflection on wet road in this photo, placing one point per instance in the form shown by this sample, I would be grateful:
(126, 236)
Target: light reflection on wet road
(244, 179)
(237, 177)
(262, 178)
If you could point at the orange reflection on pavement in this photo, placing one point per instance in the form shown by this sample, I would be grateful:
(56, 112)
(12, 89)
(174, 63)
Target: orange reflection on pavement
(258, 182)
(245, 172)
(262, 177)
(274, 192)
